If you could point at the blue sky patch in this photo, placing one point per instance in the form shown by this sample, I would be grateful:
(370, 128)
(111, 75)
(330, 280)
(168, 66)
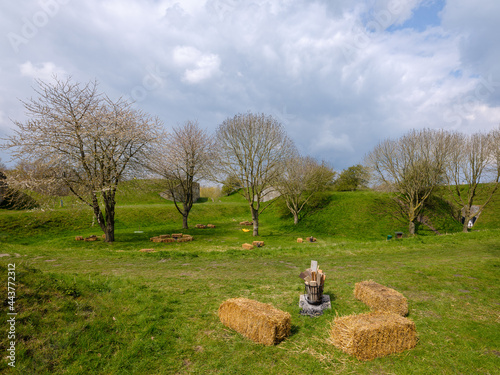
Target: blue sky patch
(426, 15)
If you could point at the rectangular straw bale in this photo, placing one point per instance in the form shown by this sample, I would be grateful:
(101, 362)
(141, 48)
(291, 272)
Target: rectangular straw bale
(163, 236)
(381, 298)
(210, 226)
(167, 240)
(201, 226)
(247, 246)
(373, 335)
(176, 235)
(79, 238)
(258, 243)
(255, 320)
(300, 240)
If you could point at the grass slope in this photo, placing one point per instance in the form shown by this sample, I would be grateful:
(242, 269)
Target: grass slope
(100, 308)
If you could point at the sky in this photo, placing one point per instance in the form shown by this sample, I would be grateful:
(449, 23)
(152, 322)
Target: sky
(340, 75)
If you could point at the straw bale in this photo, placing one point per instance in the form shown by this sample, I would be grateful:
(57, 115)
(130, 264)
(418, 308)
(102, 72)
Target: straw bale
(311, 239)
(90, 239)
(185, 238)
(166, 240)
(381, 298)
(210, 226)
(147, 251)
(201, 226)
(246, 223)
(153, 238)
(373, 335)
(79, 238)
(255, 320)
(163, 236)
(176, 235)
(300, 240)
(247, 246)
(258, 243)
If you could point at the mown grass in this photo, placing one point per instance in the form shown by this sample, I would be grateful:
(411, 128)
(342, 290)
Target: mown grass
(98, 308)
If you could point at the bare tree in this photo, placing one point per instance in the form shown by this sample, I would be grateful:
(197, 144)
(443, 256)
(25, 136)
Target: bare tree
(411, 166)
(87, 141)
(473, 160)
(251, 148)
(300, 178)
(183, 160)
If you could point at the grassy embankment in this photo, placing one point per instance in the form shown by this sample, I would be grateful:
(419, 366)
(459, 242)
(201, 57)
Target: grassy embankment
(107, 308)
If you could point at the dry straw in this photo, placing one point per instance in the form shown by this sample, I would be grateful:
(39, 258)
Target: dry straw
(381, 298)
(373, 335)
(255, 320)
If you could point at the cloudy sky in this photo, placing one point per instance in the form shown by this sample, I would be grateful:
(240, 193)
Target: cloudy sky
(341, 75)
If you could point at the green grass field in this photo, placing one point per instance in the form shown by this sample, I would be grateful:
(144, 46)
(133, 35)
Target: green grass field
(97, 308)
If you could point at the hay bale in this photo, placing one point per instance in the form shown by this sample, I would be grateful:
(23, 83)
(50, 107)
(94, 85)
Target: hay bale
(381, 298)
(176, 235)
(79, 238)
(147, 251)
(167, 240)
(311, 239)
(163, 236)
(156, 239)
(373, 335)
(300, 240)
(91, 239)
(255, 320)
(152, 239)
(185, 238)
(210, 226)
(258, 243)
(246, 223)
(247, 246)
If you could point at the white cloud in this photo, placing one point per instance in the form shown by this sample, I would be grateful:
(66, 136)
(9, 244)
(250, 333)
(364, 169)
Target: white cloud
(197, 66)
(344, 87)
(44, 71)
(204, 69)
(186, 55)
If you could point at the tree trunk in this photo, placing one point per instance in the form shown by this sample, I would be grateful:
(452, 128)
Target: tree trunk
(109, 229)
(411, 228)
(295, 217)
(185, 214)
(255, 219)
(465, 227)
